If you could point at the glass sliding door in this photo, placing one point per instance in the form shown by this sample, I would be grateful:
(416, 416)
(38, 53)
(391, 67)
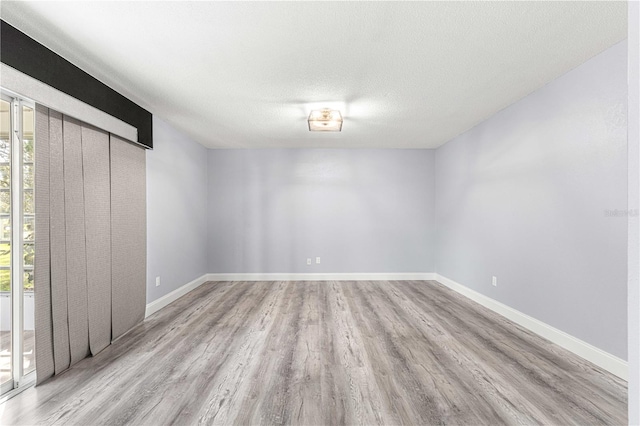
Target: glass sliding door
(6, 301)
(17, 231)
(28, 235)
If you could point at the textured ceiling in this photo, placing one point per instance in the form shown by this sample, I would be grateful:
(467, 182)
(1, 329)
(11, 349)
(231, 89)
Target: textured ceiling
(245, 75)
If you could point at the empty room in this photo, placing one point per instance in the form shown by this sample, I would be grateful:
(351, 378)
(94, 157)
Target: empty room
(319, 213)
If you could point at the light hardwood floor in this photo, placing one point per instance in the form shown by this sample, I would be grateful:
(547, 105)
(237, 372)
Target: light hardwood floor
(310, 353)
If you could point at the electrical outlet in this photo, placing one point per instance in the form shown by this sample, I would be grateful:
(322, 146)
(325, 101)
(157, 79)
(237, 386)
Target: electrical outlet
(308, 261)
(494, 282)
(157, 281)
(317, 260)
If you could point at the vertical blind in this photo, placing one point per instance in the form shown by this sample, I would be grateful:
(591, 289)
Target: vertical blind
(90, 263)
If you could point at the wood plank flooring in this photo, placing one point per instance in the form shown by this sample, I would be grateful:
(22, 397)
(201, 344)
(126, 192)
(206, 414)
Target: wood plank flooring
(311, 353)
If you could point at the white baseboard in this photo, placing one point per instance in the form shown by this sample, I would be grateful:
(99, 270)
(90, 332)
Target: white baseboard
(379, 276)
(158, 304)
(605, 360)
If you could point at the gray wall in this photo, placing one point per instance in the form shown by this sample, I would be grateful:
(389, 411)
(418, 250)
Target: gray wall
(633, 299)
(176, 210)
(358, 210)
(523, 196)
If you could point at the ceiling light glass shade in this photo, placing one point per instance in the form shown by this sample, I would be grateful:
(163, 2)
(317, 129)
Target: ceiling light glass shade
(325, 120)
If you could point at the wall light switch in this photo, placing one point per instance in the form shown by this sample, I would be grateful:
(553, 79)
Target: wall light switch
(157, 281)
(308, 261)
(317, 260)
(494, 282)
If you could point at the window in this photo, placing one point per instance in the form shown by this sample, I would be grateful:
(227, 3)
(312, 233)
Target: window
(17, 244)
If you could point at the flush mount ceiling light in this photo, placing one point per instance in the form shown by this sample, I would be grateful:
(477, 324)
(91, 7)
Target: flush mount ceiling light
(325, 120)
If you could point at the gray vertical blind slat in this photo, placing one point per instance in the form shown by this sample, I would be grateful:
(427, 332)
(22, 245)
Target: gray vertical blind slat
(97, 193)
(59, 304)
(128, 235)
(90, 270)
(42, 270)
(76, 241)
